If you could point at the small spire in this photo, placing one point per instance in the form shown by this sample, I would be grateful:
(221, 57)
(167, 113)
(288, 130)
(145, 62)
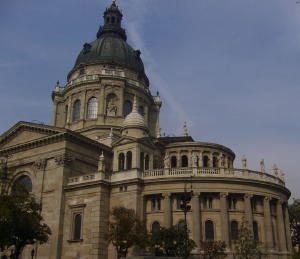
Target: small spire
(102, 155)
(134, 107)
(57, 83)
(185, 132)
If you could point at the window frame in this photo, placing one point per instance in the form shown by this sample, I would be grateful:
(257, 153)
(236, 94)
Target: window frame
(92, 108)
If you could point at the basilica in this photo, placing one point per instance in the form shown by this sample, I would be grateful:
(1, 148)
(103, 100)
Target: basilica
(104, 149)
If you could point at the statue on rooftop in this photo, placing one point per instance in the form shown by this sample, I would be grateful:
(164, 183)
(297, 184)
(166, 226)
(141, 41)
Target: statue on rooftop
(244, 162)
(262, 166)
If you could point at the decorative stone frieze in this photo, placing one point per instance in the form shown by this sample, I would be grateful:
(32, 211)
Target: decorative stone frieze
(40, 164)
(64, 159)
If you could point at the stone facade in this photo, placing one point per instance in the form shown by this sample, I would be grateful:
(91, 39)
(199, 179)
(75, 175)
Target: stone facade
(104, 149)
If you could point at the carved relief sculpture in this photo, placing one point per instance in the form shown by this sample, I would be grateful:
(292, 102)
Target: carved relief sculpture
(111, 107)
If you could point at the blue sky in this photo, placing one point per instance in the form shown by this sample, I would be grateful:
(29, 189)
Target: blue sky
(229, 68)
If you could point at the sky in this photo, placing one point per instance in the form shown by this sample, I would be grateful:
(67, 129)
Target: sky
(229, 68)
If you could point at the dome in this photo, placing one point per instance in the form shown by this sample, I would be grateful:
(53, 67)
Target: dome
(111, 47)
(134, 119)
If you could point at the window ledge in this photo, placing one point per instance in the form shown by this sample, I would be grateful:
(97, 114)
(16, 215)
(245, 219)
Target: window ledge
(75, 241)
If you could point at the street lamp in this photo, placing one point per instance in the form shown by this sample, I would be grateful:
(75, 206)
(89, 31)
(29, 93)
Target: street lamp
(185, 207)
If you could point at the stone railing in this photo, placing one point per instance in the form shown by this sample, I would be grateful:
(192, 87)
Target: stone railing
(176, 173)
(97, 77)
(212, 172)
(88, 178)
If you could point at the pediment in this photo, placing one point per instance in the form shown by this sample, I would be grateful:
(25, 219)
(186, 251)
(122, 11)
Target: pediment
(124, 140)
(24, 132)
(128, 140)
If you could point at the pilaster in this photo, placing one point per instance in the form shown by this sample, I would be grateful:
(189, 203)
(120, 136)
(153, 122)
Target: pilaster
(248, 211)
(224, 218)
(280, 226)
(167, 210)
(287, 228)
(196, 219)
(268, 224)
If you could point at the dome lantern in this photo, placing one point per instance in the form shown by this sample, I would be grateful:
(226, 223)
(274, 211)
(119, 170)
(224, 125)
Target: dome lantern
(112, 22)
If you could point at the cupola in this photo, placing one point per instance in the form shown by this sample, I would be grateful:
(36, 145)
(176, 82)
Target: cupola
(134, 124)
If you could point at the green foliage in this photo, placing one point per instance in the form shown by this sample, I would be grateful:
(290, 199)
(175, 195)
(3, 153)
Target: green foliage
(171, 242)
(294, 211)
(246, 247)
(214, 249)
(20, 222)
(126, 230)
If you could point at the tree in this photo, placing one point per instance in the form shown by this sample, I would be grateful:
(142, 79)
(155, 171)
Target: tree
(214, 249)
(246, 246)
(21, 222)
(171, 242)
(294, 211)
(126, 230)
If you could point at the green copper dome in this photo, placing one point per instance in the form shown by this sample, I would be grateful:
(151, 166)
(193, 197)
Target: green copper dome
(111, 47)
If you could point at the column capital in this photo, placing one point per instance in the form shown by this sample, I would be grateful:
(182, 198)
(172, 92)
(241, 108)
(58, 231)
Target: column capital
(223, 194)
(167, 195)
(280, 201)
(248, 195)
(267, 198)
(196, 194)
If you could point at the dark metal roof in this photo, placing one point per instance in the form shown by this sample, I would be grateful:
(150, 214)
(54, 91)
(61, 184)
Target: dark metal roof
(111, 47)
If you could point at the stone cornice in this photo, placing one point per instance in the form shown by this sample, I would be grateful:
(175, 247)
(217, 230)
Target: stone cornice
(198, 144)
(65, 134)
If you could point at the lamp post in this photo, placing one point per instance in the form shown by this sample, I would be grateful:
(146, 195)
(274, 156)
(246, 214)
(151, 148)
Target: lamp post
(185, 207)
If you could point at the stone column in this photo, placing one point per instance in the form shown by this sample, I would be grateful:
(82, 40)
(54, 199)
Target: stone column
(54, 113)
(167, 210)
(280, 226)
(287, 229)
(200, 161)
(196, 219)
(248, 210)
(224, 218)
(268, 224)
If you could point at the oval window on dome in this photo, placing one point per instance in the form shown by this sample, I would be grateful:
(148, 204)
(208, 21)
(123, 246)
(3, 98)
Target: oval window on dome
(127, 107)
(23, 183)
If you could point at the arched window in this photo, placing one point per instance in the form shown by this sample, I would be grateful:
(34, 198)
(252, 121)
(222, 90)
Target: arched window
(142, 158)
(234, 230)
(205, 161)
(76, 110)
(255, 231)
(181, 224)
(147, 162)
(129, 160)
(77, 227)
(141, 110)
(127, 107)
(173, 162)
(215, 161)
(107, 19)
(184, 161)
(121, 162)
(92, 108)
(23, 183)
(155, 226)
(113, 19)
(209, 230)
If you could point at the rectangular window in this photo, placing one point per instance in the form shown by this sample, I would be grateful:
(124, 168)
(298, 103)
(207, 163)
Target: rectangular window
(208, 202)
(155, 204)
